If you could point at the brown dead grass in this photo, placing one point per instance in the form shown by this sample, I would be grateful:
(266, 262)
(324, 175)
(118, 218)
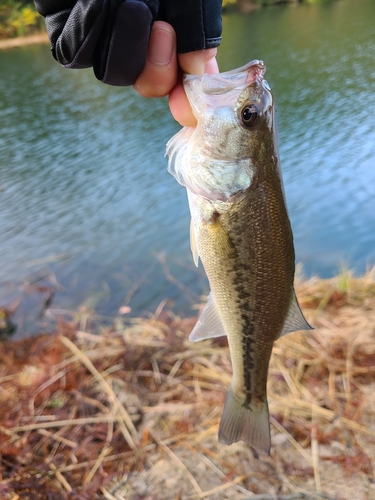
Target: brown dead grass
(133, 413)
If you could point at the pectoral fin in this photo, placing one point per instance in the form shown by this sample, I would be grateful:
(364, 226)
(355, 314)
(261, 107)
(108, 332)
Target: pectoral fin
(176, 151)
(209, 324)
(294, 320)
(193, 244)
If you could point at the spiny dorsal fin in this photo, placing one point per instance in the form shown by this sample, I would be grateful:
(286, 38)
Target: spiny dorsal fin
(294, 320)
(209, 324)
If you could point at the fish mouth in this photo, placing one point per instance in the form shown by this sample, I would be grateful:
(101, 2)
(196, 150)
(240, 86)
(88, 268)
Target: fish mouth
(222, 89)
(236, 79)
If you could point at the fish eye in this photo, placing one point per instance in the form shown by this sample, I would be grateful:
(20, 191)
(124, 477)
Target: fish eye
(249, 116)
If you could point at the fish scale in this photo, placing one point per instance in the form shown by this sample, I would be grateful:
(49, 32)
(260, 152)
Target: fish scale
(241, 232)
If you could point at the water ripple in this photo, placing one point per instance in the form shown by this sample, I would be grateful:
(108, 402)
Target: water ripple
(82, 170)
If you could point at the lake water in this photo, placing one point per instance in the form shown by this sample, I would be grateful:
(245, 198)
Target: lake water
(85, 198)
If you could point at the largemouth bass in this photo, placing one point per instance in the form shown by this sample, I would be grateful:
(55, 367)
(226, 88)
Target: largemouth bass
(240, 229)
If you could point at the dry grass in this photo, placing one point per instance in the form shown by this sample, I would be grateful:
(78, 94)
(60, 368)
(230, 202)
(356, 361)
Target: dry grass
(133, 413)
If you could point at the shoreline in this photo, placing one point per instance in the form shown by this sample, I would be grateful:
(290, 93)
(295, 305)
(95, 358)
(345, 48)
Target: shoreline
(9, 43)
(86, 397)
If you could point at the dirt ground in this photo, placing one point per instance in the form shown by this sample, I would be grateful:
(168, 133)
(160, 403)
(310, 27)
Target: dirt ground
(132, 411)
(23, 40)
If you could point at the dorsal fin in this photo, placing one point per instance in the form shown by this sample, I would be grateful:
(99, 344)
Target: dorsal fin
(295, 319)
(209, 324)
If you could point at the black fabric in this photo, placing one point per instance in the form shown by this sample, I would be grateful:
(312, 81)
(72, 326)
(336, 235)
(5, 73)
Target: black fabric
(46, 7)
(212, 23)
(125, 52)
(197, 23)
(112, 35)
(74, 33)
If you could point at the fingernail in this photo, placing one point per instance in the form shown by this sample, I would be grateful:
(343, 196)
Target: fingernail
(161, 46)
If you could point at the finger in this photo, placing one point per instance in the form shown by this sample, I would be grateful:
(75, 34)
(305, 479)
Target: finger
(180, 107)
(159, 74)
(197, 63)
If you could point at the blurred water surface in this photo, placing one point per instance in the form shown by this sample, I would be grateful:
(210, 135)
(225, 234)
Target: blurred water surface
(85, 198)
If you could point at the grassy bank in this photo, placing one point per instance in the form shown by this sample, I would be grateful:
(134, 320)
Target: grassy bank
(19, 19)
(133, 411)
(247, 5)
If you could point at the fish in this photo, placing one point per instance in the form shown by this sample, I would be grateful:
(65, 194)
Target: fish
(240, 229)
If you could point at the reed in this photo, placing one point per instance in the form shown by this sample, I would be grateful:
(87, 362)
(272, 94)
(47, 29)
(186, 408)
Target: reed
(132, 412)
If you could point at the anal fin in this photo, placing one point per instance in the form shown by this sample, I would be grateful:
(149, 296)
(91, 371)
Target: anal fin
(209, 325)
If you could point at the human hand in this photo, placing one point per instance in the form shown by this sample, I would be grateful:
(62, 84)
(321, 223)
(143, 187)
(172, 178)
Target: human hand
(162, 73)
(125, 45)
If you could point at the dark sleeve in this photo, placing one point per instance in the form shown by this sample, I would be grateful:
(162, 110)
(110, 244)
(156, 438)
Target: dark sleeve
(197, 22)
(112, 35)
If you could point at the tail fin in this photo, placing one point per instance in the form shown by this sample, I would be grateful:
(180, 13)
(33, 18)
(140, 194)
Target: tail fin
(245, 422)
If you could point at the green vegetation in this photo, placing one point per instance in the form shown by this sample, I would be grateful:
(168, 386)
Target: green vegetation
(249, 4)
(19, 18)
